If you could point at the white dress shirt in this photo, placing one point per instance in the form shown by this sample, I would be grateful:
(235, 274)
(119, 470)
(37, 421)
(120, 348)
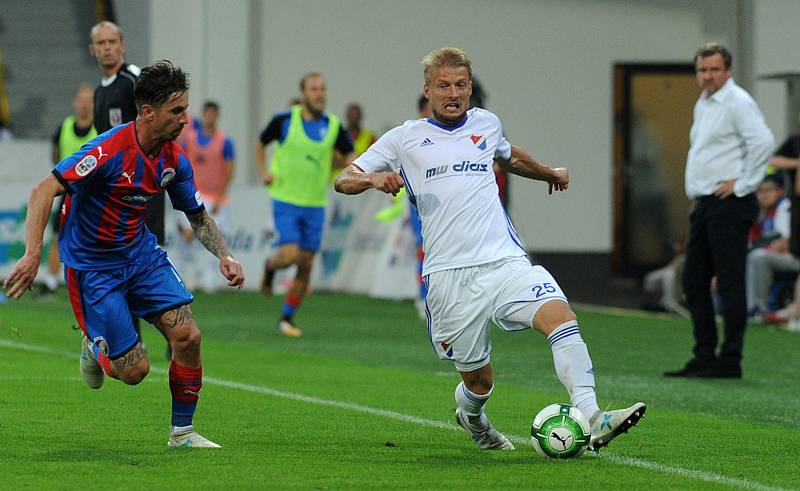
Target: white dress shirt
(729, 140)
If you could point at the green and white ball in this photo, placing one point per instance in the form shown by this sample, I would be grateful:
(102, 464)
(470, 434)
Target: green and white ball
(560, 431)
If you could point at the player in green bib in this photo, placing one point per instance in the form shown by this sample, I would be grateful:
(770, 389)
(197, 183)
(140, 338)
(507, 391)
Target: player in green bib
(298, 179)
(69, 137)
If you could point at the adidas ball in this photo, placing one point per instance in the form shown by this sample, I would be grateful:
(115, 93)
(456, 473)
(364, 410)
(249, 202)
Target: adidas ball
(560, 431)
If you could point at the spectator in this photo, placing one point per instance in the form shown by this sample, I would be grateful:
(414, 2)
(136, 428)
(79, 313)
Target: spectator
(769, 245)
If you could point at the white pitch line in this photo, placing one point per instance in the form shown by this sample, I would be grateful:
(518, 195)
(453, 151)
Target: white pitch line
(617, 459)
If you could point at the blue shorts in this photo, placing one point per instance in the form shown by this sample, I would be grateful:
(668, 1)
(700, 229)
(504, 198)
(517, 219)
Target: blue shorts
(301, 225)
(104, 301)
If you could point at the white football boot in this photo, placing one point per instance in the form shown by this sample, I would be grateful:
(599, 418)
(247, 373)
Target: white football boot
(287, 329)
(90, 370)
(188, 438)
(488, 439)
(607, 425)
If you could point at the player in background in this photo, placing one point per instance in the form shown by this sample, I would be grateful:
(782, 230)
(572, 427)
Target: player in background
(113, 264)
(70, 135)
(476, 267)
(114, 102)
(400, 204)
(298, 179)
(211, 152)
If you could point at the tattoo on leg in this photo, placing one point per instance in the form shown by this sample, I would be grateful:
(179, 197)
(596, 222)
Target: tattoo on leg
(176, 317)
(130, 358)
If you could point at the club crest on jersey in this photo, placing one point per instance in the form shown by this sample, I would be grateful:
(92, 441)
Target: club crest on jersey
(115, 116)
(479, 141)
(86, 165)
(167, 175)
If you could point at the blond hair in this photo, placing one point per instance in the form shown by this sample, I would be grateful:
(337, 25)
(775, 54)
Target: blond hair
(449, 57)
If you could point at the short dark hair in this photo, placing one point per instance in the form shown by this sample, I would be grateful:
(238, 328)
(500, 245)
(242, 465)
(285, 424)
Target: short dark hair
(421, 103)
(775, 178)
(306, 77)
(211, 105)
(712, 49)
(157, 82)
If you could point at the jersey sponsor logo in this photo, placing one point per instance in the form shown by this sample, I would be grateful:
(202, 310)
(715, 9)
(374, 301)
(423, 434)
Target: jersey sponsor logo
(167, 175)
(100, 153)
(479, 141)
(136, 198)
(436, 171)
(115, 116)
(465, 166)
(129, 177)
(426, 142)
(86, 165)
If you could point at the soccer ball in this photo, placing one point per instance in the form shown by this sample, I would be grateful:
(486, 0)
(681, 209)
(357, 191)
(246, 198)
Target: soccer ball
(560, 431)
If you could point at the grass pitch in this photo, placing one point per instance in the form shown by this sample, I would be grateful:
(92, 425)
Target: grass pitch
(361, 401)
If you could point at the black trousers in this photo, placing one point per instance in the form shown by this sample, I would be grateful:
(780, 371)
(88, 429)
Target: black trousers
(717, 246)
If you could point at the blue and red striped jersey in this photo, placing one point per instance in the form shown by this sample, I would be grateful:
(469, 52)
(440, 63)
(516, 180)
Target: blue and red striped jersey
(109, 181)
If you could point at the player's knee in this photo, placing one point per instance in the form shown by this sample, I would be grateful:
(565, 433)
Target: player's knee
(551, 315)
(135, 374)
(187, 339)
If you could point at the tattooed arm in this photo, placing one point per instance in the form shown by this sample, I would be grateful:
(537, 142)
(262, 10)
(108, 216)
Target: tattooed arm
(207, 232)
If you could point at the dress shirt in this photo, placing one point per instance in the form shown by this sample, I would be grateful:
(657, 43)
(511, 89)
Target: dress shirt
(729, 140)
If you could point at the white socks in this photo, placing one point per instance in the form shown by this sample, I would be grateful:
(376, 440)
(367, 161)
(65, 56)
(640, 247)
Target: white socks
(50, 281)
(471, 405)
(574, 367)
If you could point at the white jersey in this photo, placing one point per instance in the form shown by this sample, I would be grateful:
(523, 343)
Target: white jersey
(448, 176)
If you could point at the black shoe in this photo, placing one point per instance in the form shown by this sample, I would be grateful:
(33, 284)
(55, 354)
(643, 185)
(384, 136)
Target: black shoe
(718, 370)
(692, 366)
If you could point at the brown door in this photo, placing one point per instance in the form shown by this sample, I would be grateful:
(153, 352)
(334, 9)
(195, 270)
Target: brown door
(653, 115)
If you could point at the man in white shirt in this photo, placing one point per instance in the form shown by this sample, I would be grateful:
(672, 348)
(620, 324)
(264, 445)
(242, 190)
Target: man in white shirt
(728, 155)
(475, 267)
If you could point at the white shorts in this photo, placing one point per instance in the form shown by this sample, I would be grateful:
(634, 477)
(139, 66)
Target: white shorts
(462, 303)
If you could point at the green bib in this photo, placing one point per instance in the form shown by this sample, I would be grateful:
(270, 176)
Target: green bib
(302, 166)
(68, 141)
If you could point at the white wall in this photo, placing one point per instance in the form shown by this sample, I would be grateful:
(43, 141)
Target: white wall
(775, 49)
(546, 64)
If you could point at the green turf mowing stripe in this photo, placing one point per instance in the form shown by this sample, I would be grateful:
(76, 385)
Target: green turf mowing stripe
(620, 460)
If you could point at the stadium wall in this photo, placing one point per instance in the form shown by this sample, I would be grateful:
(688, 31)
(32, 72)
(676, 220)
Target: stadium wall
(547, 66)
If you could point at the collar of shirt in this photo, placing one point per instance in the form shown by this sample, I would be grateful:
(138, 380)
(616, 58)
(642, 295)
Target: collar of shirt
(722, 93)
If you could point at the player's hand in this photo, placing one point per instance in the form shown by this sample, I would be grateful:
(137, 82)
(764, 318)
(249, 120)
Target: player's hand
(725, 189)
(388, 182)
(559, 181)
(232, 270)
(21, 278)
(267, 178)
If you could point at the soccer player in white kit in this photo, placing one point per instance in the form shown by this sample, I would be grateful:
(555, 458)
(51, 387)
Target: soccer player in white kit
(476, 268)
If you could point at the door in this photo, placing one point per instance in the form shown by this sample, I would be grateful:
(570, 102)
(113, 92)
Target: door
(653, 115)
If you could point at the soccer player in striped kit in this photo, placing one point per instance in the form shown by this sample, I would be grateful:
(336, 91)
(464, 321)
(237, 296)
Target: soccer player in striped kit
(475, 265)
(114, 267)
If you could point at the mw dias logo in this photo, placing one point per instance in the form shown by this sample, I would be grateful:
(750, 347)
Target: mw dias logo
(465, 167)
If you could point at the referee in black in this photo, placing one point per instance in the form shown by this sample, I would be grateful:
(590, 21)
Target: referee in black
(114, 103)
